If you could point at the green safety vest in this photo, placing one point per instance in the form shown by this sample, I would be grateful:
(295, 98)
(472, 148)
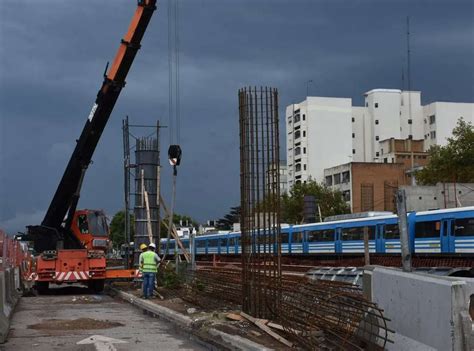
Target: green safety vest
(149, 264)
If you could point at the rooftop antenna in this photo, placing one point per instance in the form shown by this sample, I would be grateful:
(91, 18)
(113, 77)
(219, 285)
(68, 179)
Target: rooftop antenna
(409, 74)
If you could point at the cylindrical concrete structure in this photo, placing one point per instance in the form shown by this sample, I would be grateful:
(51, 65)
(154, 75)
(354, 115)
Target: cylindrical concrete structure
(147, 160)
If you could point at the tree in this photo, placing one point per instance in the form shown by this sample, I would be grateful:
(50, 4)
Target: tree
(227, 222)
(117, 228)
(453, 162)
(331, 202)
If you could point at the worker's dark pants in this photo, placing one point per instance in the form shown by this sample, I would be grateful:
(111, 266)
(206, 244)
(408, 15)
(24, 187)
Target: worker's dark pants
(148, 284)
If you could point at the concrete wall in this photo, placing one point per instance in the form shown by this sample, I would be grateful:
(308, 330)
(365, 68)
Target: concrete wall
(9, 287)
(425, 308)
(422, 198)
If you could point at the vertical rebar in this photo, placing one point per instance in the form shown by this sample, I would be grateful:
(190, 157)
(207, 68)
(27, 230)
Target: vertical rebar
(260, 200)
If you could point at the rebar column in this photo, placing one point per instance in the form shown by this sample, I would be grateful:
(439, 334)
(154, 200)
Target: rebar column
(260, 200)
(147, 159)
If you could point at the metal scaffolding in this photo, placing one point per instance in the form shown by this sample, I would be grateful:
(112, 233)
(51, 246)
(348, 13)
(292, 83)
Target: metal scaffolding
(260, 200)
(147, 186)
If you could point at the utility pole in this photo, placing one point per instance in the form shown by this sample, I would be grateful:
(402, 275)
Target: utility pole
(366, 246)
(403, 228)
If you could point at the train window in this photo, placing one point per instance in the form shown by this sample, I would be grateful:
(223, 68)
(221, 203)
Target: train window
(231, 241)
(200, 243)
(464, 227)
(357, 233)
(427, 229)
(213, 243)
(391, 231)
(284, 238)
(297, 237)
(321, 235)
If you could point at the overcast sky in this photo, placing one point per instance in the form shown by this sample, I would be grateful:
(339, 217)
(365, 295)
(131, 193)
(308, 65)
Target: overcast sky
(53, 54)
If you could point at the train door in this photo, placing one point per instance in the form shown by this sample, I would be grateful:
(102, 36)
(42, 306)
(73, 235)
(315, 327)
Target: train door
(447, 235)
(338, 240)
(379, 238)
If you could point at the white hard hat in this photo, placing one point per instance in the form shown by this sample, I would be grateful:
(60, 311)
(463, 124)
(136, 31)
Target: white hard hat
(152, 245)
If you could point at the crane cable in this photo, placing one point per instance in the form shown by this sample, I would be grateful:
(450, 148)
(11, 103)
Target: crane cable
(174, 151)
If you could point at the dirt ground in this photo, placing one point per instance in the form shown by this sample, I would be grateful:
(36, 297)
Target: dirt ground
(74, 324)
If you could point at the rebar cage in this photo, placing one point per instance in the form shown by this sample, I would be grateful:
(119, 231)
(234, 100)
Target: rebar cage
(260, 200)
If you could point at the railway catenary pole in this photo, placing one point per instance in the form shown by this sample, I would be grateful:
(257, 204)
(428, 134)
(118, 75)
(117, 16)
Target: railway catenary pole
(403, 227)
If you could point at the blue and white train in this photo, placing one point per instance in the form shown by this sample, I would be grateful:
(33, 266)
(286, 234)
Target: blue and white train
(438, 231)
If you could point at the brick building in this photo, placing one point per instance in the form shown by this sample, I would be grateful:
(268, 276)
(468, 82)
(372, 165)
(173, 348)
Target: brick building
(367, 186)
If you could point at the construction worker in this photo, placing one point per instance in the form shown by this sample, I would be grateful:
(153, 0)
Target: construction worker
(149, 265)
(143, 248)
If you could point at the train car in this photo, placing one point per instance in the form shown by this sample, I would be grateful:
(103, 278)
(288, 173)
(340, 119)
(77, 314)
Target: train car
(437, 232)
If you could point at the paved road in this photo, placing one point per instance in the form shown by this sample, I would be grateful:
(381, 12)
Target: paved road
(63, 318)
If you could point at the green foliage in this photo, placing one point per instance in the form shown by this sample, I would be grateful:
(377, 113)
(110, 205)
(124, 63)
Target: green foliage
(167, 277)
(453, 162)
(117, 229)
(226, 223)
(330, 202)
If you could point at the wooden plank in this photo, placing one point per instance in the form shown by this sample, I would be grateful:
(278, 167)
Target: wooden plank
(174, 233)
(261, 323)
(148, 217)
(234, 317)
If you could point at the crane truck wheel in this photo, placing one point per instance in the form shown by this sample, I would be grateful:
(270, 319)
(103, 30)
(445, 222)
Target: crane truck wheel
(97, 286)
(42, 287)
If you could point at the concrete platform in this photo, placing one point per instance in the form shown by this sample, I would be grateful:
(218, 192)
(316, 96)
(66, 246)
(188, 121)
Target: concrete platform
(60, 322)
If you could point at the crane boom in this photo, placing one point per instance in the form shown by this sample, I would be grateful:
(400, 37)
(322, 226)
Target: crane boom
(65, 199)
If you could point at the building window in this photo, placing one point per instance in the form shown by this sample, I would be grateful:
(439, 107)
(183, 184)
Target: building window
(304, 117)
(304, 133)
(297, 118)
(376, 105)
(297, 134)
(376, 121)
(377, 154)
(298, 167)
(346, 195)
(353, 119)
(432, 119)
(353, 135)
(297, 151)
(425, 120)
(433, 134)
(304, 167)
(353, 151)
(410, 136)
(377, 138)
(366, 104)
(329, 180)
(410, 121)
(346, 177)
(385, 160)
(337, 178)
(304, 150)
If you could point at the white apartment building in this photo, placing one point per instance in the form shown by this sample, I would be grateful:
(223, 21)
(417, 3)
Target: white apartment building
(324, 132)
(317, 137)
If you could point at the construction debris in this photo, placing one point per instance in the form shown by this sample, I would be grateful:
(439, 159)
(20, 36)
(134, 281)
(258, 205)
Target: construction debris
(312, 314)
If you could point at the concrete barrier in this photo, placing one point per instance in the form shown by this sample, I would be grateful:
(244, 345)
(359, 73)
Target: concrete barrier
(426, 309)
(8, 298)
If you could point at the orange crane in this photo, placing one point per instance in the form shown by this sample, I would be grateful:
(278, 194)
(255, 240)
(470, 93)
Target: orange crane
(73, 250)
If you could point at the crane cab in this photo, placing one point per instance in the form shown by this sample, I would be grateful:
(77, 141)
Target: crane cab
(91, 229)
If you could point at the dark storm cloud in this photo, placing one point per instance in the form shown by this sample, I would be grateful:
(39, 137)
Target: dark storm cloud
(53, 54)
